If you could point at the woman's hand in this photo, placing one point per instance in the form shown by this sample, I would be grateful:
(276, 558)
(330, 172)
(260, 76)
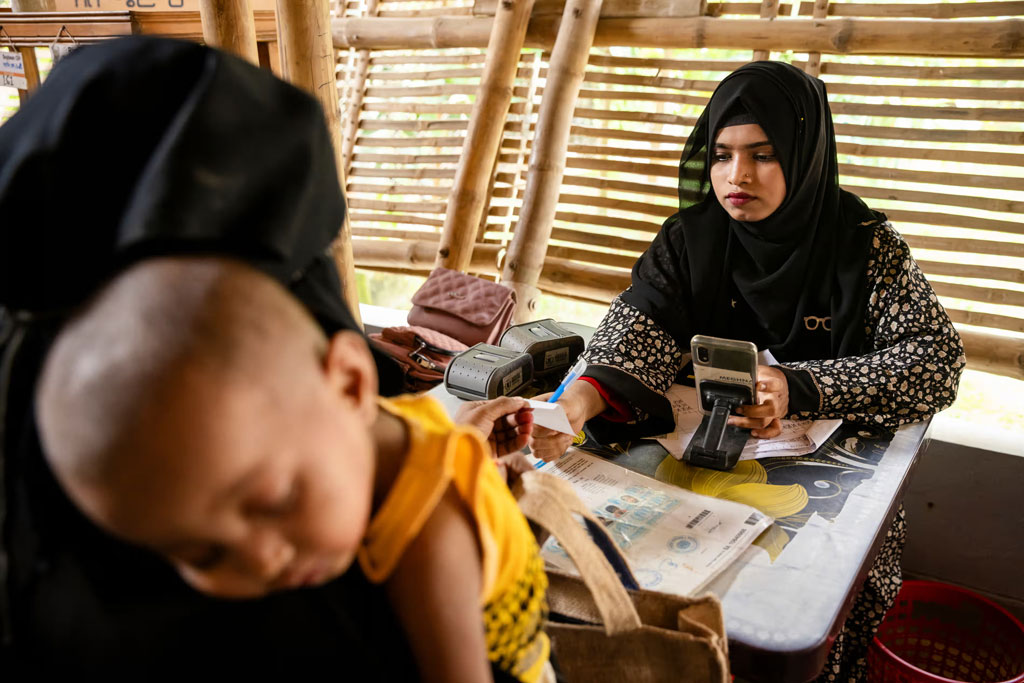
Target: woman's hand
(506, 422)
(581, 401)
(772, 404)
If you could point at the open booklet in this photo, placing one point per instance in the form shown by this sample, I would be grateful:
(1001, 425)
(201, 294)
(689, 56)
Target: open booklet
(675, 540)
(797, 437)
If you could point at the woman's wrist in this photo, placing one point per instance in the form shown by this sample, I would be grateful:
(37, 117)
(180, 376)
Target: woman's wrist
(583, 401)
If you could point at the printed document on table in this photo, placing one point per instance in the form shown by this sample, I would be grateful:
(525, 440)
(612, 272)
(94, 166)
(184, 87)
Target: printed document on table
(798, 437)
(675, 540)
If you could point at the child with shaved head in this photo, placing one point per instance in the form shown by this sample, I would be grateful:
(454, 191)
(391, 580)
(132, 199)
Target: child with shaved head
(195, 408)
(201, 394)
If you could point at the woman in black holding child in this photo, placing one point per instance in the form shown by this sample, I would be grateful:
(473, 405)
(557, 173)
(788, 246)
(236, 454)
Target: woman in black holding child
(767, 247)
(142, 148)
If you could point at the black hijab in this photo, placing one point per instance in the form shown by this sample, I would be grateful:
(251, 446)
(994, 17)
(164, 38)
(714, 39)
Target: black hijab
(774, 281)
(148, 146)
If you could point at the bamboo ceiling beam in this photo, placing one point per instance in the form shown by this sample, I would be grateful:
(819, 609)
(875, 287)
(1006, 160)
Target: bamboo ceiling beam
(229, 25)
(307, 60)
(420, 255)
(894, 37)
(483, 138)
(610, 8)
(529, 244)
(769, 10)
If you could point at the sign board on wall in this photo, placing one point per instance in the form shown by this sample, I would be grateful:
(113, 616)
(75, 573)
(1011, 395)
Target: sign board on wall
(12, 70)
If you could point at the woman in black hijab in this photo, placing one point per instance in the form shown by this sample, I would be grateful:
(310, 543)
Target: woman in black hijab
(766, 247)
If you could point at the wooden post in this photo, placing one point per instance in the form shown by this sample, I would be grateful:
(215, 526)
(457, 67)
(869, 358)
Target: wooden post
(483, 138)
(33, 5)
(307, 60)
(270, 56)
(997, 38)
(769, 10)
(28, 58)
(229, 25)
(356, 88)
(522, 152)
(547, 162)
(814, 58)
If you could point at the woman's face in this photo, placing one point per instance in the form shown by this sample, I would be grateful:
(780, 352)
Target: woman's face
(745, 173)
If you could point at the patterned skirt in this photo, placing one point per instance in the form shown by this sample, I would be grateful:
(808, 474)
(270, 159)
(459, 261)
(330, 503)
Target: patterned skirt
(847, 660)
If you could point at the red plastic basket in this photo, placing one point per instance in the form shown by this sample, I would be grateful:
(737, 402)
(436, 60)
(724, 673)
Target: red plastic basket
(937, 633)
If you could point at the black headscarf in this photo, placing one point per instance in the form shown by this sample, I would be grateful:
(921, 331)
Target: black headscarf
(764, 281)
(149, 147)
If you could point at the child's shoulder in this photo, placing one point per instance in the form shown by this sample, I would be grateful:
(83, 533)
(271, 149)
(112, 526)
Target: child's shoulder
(420, 409)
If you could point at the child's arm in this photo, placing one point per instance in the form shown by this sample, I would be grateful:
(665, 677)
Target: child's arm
(435, 590)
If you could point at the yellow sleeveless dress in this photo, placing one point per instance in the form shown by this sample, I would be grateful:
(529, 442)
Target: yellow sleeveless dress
(514, 584)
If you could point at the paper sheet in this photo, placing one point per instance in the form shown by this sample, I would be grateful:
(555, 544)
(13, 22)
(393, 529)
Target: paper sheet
(797, 437)
(551, 415)
(675, 540)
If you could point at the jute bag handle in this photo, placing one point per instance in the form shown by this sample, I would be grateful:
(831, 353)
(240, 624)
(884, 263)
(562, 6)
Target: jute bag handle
(551, 502)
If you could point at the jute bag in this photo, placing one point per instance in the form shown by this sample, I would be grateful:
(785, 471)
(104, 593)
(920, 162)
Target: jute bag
(639, 636)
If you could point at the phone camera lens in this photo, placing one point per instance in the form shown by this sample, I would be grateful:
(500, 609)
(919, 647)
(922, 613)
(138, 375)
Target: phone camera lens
(702, 354)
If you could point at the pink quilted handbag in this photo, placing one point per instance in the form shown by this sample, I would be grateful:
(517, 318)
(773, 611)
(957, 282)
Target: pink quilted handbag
(467, 308)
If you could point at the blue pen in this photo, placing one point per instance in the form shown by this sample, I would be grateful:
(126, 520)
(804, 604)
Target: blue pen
(574, 372)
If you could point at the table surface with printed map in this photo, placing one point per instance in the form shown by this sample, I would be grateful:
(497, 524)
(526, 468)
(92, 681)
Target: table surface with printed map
(786, 596)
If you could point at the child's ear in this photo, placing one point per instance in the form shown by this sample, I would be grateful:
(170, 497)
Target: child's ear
(351, 372)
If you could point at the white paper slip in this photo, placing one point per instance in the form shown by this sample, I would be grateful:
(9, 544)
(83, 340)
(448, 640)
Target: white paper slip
(551, 415)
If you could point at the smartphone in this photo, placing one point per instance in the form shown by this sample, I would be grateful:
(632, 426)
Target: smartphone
(723, 362)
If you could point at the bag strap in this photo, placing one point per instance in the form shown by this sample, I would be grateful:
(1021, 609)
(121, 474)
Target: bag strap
(551, 502)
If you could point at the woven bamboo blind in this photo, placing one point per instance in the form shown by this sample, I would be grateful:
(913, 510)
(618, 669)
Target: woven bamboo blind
(936, 143)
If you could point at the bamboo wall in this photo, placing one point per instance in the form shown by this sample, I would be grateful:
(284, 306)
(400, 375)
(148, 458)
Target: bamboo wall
(937, 142)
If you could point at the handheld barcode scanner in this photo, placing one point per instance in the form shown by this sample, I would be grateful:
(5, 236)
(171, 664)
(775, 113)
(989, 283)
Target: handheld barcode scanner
(485, 371)
(553, 348)
(725, 372)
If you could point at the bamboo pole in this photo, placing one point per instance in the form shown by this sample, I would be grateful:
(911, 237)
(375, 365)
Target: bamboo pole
(609, 8)
(270, 56)
(307, 60)
(991, 320)
(849, 36)
(483, 138)
(769, 10)
(28, 58)
(814, 58)
(547, 161)
(999, 355)
(33, 5)
(229, 25)
(420, 255)
(523, 148)
(928, 10)
(357, 91)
